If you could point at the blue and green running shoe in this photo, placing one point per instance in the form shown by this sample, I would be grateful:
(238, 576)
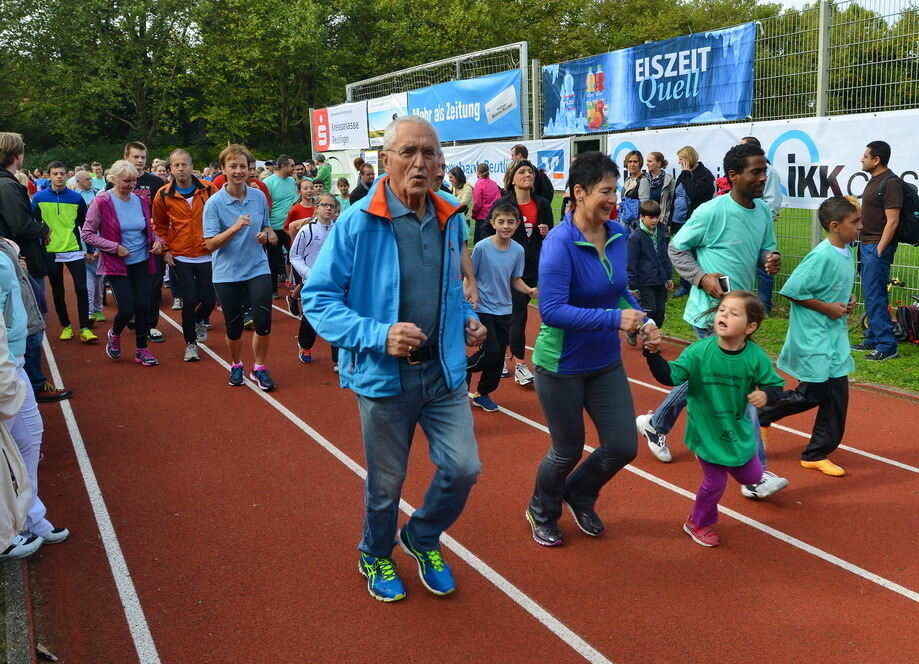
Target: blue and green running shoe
(435, 574)
(383, 581)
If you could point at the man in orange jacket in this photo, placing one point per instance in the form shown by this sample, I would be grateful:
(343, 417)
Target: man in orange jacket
(178, 211)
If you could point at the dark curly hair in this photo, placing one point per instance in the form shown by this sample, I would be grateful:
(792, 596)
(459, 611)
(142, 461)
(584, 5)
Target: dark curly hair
(736, 158)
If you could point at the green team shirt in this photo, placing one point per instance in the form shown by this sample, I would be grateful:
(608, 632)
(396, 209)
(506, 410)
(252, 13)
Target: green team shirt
(324, 174)
(728, 238)
(816, 346)
(717, 429)
(283, 196)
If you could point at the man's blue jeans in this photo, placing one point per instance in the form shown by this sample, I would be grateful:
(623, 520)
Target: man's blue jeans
(764, 285)
(388, 424)
(666, 414)
(875, 274)
(32, 358)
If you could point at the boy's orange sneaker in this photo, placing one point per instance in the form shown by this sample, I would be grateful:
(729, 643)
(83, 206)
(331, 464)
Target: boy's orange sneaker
(825, 466)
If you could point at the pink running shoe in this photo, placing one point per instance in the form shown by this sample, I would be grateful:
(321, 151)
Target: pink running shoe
(145, 358)
(704, 535)
(113, 347)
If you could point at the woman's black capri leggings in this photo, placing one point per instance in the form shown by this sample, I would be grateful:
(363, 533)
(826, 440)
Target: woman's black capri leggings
(231, 294)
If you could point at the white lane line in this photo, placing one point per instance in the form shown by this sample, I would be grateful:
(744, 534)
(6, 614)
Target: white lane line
(552, 623)
(753, 523)
(847, 448)
(130, 602)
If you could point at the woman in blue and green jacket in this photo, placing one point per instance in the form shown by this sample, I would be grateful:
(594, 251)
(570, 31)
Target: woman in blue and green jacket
(584, 302)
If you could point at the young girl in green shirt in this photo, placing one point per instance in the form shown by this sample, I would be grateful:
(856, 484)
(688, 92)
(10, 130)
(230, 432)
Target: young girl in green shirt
(725, 371)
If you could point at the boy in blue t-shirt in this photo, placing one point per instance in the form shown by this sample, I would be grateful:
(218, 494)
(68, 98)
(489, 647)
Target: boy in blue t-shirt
(816, 349)
(498, 265)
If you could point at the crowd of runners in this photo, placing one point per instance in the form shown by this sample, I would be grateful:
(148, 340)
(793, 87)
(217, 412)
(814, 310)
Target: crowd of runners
(419, 280)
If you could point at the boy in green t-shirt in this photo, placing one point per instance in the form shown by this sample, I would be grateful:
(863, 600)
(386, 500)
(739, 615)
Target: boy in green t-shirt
(816, 349)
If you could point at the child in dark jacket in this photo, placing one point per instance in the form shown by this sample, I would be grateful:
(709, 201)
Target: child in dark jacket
(648, 267)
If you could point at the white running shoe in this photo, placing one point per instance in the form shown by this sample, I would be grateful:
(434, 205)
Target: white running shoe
(768, 484)
(657, 442)
(191, 352)
(522, 374)
(21, 547)
(176, 303)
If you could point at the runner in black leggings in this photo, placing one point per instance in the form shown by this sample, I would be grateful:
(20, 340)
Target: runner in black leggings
(236, 225)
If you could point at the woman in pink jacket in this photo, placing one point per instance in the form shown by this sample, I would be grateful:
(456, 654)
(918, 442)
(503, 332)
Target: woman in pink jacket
(118, 224)
(485, 192)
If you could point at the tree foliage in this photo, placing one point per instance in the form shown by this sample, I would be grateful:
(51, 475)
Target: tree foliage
(250, 70)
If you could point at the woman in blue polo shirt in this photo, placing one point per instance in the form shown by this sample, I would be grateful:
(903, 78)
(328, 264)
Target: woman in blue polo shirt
(236, 225)
(583, 285)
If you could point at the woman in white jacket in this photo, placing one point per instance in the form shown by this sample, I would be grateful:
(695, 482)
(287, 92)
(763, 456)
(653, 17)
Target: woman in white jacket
(303, 252)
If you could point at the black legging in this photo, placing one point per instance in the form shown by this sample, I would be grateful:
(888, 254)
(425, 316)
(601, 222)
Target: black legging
(197, 291)
(132, 295)
(77, 271)
(231, 296)
(606, 397)
(306, 337)
(156, 291)
(276, 259)
(517, 335)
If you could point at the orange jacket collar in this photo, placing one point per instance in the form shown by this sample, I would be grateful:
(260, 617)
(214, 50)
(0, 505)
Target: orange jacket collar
(379, 207)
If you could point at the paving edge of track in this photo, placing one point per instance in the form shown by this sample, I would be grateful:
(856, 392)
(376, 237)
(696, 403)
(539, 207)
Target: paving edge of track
(19, 630)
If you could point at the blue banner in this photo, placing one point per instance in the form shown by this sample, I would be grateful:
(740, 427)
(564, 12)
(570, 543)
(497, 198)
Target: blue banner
(485, 107)
(704, 77)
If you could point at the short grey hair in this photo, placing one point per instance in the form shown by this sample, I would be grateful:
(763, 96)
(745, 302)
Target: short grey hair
(175, 152)
(389, 136)
(120, 169)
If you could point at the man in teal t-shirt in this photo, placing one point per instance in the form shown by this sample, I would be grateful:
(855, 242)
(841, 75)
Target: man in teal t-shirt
(728, 236)
(816, 349)
(283, 189)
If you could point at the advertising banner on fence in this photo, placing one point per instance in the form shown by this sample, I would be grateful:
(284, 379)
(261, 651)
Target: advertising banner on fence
(382, 111)
(551, 156)
(342, 127)
(703, 77)
(485, 107)
(814, 157)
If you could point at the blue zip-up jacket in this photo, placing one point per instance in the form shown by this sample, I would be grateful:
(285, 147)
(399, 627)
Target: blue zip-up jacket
(649, 263)
(351, 296)
(580, 297)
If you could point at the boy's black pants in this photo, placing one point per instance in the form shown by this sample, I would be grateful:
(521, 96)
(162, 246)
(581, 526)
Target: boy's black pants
(490, 355)
(831, 398)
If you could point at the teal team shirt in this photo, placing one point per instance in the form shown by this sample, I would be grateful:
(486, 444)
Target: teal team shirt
(283, 196)
(816, 346)
(728, 238)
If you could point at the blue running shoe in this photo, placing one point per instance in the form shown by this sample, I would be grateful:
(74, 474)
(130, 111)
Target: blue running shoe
(484, 402)
(262, 379)
(236, 375)
(435, 574)
(383, 581)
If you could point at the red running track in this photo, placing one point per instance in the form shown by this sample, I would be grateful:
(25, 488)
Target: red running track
(238, 532)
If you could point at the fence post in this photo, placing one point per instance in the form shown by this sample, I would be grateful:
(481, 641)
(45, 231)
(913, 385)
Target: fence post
(535, 100)
(525, 86)
(823, 80)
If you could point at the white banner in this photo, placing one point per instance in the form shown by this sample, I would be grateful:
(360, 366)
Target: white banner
(342, 127)
(383, 110)
(551, 156)
(815, 158)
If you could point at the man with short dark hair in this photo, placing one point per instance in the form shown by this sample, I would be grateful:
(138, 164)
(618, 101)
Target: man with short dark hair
(365, 180)
(299, 170)
(881, 204)
(64, 210)
(727, 236)
(283, 189)
(542, 186)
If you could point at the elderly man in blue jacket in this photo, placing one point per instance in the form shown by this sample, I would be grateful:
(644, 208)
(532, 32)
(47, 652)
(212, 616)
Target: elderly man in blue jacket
(387, 290)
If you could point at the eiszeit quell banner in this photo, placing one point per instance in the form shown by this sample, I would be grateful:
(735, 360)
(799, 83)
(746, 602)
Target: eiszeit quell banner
(703, 77)
(484, 107)
(342, 127)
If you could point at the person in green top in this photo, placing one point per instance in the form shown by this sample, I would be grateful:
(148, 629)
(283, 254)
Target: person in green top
(724, 373)
(283, 189)
(816, 349)
(728, 236)
(323, 174)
